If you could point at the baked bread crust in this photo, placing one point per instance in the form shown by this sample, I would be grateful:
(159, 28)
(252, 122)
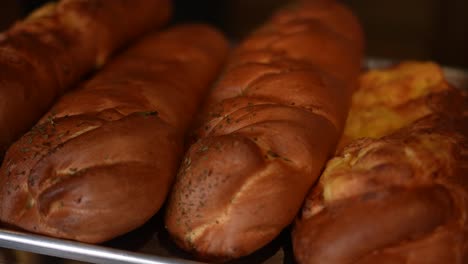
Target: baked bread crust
(49, 52)
(101, 162)
(397, 198)
(267, 129)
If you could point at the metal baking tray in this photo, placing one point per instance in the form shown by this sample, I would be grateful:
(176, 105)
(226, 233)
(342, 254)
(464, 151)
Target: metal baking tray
(150, 244)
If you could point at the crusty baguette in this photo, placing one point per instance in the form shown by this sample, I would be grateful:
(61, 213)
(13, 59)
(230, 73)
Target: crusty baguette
(397, 198)
(100, 163)
(268, 127)
(51, 50)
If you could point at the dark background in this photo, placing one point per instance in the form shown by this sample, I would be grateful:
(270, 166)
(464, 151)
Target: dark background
(400, 29)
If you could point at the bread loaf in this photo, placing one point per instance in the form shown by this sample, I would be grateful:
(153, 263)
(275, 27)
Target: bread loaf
(101, 162)
(52, 49)
(399, 197)
(267, 129)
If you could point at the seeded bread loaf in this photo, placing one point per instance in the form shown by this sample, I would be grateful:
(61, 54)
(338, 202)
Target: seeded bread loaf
(267, 130)
(101, 162)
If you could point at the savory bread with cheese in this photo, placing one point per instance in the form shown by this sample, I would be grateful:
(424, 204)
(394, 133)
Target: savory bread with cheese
(399, 194)
(391, 98)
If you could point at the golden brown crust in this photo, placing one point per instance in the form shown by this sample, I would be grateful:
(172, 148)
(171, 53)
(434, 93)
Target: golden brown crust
(266, 131)
(389, 99)
(50, 51)
(101, 162)
(400, 198)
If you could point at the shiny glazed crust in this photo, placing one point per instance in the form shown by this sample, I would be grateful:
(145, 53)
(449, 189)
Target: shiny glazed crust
(101, 162)
(52, 49)
(266, 131)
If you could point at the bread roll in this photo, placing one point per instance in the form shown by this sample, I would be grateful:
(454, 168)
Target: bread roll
(101, 162)
(268, 127)
(51, 50)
